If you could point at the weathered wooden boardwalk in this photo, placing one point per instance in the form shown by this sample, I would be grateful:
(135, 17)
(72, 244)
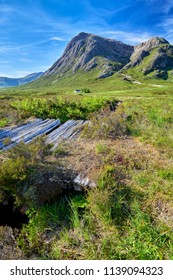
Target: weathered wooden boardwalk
(68, 130)
(53, 131)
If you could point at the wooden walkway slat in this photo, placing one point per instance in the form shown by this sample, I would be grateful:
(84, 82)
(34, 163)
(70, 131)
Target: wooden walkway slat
(53, 131)
(66, 131)
(28, 132)
(9, 132)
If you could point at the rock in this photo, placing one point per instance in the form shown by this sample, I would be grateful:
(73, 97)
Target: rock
(161, 74)
(91, 64)
(81, 184)
(105, 74)
(144, 49)
(159, 55)
(162, 60)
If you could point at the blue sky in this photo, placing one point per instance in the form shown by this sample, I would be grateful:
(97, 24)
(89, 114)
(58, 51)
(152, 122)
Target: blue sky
(34, 33)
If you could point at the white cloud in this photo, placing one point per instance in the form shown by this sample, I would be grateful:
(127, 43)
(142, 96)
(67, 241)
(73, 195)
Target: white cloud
(128, 37)
(2, 74)
(5, 12)
(21, 73)
(166, 26)
(57, 39)
(166, 23)
(168, 6)
(25, 60)
(163, 6)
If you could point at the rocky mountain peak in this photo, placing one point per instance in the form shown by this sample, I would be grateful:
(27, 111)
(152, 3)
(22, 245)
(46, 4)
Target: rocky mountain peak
(151, 44)
(144, 49)
(87, 51)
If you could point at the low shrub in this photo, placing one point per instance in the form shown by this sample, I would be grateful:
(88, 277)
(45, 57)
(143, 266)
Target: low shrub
(62, 108)
(21, 166)
(107, 124)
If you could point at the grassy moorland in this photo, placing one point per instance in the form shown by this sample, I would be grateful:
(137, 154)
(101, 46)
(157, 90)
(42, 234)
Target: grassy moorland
(128, 153)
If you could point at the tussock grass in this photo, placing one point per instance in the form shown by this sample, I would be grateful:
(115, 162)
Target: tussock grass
(128, 215)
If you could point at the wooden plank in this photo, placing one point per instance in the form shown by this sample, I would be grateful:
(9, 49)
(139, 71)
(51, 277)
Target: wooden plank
(10, 131)
(17, 137)
(38, 127)
(66, 131)
(28, 134)
(54, 135)
(43, 130)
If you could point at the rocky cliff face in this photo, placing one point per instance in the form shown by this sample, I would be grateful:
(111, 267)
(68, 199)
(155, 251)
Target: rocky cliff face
(88, 51)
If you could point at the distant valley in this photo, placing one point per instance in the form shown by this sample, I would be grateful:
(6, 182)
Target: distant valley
(10, 82)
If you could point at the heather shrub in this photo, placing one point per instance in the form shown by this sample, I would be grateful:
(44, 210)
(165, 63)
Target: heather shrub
(107, 124)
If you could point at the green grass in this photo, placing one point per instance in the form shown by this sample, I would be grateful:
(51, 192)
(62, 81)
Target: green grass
(129, 214)
(107, 223)
(151, 120)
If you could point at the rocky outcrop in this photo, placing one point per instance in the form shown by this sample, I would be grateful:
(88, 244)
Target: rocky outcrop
(142, 50)
(159, 55)
(161, 61)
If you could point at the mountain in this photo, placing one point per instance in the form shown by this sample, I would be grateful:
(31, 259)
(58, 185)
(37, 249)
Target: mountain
(89, 57)
(153, 58)
(10, 82)
(86, 52)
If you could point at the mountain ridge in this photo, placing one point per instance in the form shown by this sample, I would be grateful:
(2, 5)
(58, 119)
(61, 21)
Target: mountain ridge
(10, 82)
(84, 52)
(91, 57)
(104, 57)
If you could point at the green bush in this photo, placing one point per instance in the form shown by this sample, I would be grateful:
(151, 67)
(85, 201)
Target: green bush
(62, 108)
(3, 122)
(86, 90)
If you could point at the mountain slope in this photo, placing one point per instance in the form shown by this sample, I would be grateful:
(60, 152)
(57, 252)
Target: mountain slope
(10, 82)
(88, 58)
(154, 57)
(86, 52)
